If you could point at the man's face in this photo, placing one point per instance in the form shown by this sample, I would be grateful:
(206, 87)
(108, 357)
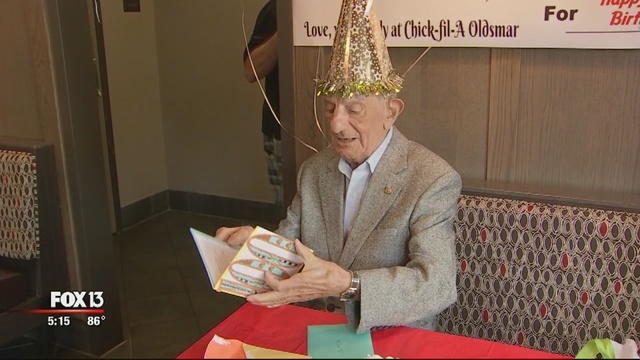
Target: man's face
(359, 124)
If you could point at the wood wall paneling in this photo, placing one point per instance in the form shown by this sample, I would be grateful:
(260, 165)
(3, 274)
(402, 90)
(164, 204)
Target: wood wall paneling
(41, 64)
(446, 103)
(306, 67)
(18, 95)
(504, 90)
(561, 118)
(445, 110)
(570, 120)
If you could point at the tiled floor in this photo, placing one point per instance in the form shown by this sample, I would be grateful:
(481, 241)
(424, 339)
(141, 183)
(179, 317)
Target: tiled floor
(166, 297)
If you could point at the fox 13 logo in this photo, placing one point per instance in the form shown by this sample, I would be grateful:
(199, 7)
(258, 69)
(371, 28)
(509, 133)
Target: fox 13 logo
(76, 299)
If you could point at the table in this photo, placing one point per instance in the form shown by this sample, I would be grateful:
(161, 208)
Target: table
(285, 328)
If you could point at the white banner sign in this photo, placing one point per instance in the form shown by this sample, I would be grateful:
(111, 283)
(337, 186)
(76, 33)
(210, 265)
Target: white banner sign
(613, 24)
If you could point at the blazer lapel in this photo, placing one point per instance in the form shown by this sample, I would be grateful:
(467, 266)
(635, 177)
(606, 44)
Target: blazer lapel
(332, 203)
(385, 185)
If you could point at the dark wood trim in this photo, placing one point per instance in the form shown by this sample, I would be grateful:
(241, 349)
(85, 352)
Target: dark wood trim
(108, 123)
(74, 72)
(553, 195)
(75, 338)
(286, 68)
(144, 209)
(213, 205)
(251, 211)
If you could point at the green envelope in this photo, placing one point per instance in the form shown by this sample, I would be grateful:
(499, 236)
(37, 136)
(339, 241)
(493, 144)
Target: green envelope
(337, 342)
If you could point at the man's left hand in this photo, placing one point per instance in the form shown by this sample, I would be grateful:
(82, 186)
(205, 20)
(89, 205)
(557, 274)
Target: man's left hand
(318, 278)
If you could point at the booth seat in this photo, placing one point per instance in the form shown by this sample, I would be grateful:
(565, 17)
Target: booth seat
(545, 276)
(31, 240)
(19, 228)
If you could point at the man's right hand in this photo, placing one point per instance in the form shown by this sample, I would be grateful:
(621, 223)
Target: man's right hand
(235, 236)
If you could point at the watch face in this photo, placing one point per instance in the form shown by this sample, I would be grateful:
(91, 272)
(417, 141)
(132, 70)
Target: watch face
(347, 295)
(352, 291)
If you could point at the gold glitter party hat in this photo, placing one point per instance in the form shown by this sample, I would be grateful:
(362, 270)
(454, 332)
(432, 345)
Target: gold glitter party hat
(360, 63)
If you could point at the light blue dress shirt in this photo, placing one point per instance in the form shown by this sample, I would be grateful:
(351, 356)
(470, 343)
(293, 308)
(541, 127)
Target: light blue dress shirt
(356, 181)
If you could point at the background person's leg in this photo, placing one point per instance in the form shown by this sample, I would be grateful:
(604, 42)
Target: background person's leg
(273, 153)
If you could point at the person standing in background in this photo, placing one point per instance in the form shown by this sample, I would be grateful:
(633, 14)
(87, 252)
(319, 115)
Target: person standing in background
(263, 48)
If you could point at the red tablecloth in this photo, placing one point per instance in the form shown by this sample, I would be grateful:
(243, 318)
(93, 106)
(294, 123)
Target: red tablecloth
(285, 328)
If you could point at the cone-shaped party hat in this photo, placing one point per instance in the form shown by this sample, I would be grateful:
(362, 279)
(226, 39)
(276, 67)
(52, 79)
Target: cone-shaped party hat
(360, 63)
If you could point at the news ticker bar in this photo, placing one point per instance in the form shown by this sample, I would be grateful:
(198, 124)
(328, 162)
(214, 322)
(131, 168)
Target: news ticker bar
(62, 311)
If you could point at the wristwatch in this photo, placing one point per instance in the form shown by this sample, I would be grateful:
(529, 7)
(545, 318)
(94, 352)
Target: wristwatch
(352, 292)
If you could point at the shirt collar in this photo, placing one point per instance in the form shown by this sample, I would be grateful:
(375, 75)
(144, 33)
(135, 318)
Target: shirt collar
(372, 161)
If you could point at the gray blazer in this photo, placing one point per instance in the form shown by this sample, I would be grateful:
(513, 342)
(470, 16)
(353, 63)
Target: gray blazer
(402, 238)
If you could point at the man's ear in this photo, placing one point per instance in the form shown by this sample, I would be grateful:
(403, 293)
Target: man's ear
(394, 109)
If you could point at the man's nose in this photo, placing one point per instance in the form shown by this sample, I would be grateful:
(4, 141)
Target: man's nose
(338, 121)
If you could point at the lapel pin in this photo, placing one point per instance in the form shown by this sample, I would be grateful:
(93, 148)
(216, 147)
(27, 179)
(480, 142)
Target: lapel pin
(387, 190)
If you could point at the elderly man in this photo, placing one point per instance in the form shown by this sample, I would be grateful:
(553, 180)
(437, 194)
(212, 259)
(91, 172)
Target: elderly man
(374, 212)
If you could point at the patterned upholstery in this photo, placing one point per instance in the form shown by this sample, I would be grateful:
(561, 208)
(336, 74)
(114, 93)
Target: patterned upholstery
(543, 276)
(19, 234)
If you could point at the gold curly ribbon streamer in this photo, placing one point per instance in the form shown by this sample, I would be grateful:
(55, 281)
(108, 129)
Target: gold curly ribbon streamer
(392, 85)
(246, 44)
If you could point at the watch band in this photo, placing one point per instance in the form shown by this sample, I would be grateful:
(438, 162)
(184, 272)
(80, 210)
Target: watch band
(353, 291)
